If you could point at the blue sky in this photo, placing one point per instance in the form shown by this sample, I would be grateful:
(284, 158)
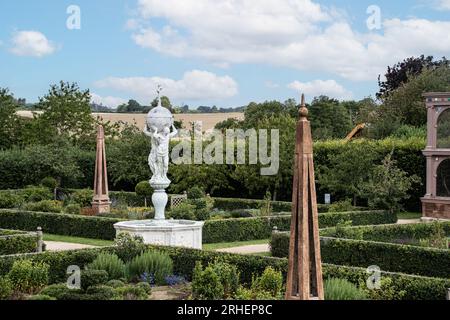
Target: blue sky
(222, 52)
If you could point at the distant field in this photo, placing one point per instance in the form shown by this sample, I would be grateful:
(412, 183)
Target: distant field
(209, 120)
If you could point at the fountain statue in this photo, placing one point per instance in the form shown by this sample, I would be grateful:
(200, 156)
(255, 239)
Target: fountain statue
(159, 127)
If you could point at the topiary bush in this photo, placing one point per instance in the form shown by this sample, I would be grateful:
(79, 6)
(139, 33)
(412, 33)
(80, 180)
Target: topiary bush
(146, 286)
(56, 291)
(41, 297)
(90, 278)
(144, 190)
(115, 283)
(15, 242)
(35, 194)
(110, 263)
(152, 262)
(341, 289)
(28, 277)
(102, 292)
(49, 182)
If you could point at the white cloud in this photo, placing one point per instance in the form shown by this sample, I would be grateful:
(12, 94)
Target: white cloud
(271, 85)
(297, 34)
(31, 43)
(108, 101)
(316, 88)
(195, 85)
(443, 5)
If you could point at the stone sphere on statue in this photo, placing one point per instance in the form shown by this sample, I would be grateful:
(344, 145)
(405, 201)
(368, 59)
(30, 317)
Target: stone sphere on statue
(160, 118)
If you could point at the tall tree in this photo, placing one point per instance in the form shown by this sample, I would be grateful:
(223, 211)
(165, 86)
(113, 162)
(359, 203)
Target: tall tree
(401, 72)
(9, 121)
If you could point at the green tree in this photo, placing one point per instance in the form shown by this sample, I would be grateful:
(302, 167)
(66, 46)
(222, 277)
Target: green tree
(388, 185)
(66, 111)
(329, 118)
(144, 189)
(10, 124)
(347, 172)
(165, 102)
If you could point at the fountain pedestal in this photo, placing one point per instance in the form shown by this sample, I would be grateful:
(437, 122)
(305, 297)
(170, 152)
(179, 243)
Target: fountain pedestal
(177, 233)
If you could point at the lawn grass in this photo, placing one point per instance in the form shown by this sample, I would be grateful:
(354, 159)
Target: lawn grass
(222, 245)
(409, 215)
(92, 242)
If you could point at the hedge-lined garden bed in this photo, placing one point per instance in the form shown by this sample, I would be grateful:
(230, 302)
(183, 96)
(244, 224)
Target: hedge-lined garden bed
(410, 259)
(415, 287)
(225, 230)
(13, 242)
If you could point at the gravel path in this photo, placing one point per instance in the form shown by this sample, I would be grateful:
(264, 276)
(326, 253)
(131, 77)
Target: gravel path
(255, 248)
(65, 246)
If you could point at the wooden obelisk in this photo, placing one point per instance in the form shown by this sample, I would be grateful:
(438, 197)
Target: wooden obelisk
(100, 202)
(304, 278)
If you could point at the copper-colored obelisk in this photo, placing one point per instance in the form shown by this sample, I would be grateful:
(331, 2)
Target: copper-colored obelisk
(100, 202)
(304, 278)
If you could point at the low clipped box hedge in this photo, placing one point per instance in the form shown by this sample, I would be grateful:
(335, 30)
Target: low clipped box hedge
(60, 223)
(224, 230)
(244, 229)
(14, 242)
(388, 256)
(415, 287)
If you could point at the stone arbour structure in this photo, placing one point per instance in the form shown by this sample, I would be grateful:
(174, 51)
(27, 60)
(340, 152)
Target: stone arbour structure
(434, 204)
(304, 277)
(101, 202)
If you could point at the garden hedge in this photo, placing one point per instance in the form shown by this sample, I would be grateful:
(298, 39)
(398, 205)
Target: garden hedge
(400, 233)
(13, 242)
(59, 223)
(388, 256)
(416, 287)
(225, 230)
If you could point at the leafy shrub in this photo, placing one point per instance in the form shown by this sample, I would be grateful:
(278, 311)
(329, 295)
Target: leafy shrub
(130, 245)
(41, 297)
(49, 182)
(55, 290)
(83, 197)
(102, 292)
(151, 262)
(271, 281)
(27, 276)
(185, 211)
(36, 194)
(228, 277)
(72, 208)
(206, 284)
(9, 200)
(343, 230)
(341, 289)
(110, 263)
(341, 206)
(437, 238)
(90, 278)
(115, 283)
(195, 192)
(130, 292)
(387, 291)
(44, 206)
(6, 288)
(146, 286)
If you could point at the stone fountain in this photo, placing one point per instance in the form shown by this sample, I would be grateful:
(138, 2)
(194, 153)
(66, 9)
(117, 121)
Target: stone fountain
(182, 233)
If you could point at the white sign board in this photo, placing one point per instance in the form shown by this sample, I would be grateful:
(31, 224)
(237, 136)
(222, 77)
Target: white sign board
(327, 198)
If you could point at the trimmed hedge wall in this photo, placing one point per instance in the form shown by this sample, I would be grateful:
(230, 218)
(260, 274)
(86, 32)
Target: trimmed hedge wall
(59, 223)
(225, 230)
(390, 233)
(243, 229)
(13, 242)
(416, 287)
(388, 256)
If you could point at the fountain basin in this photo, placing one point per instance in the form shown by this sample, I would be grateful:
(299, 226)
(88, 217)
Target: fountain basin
(176, 233)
